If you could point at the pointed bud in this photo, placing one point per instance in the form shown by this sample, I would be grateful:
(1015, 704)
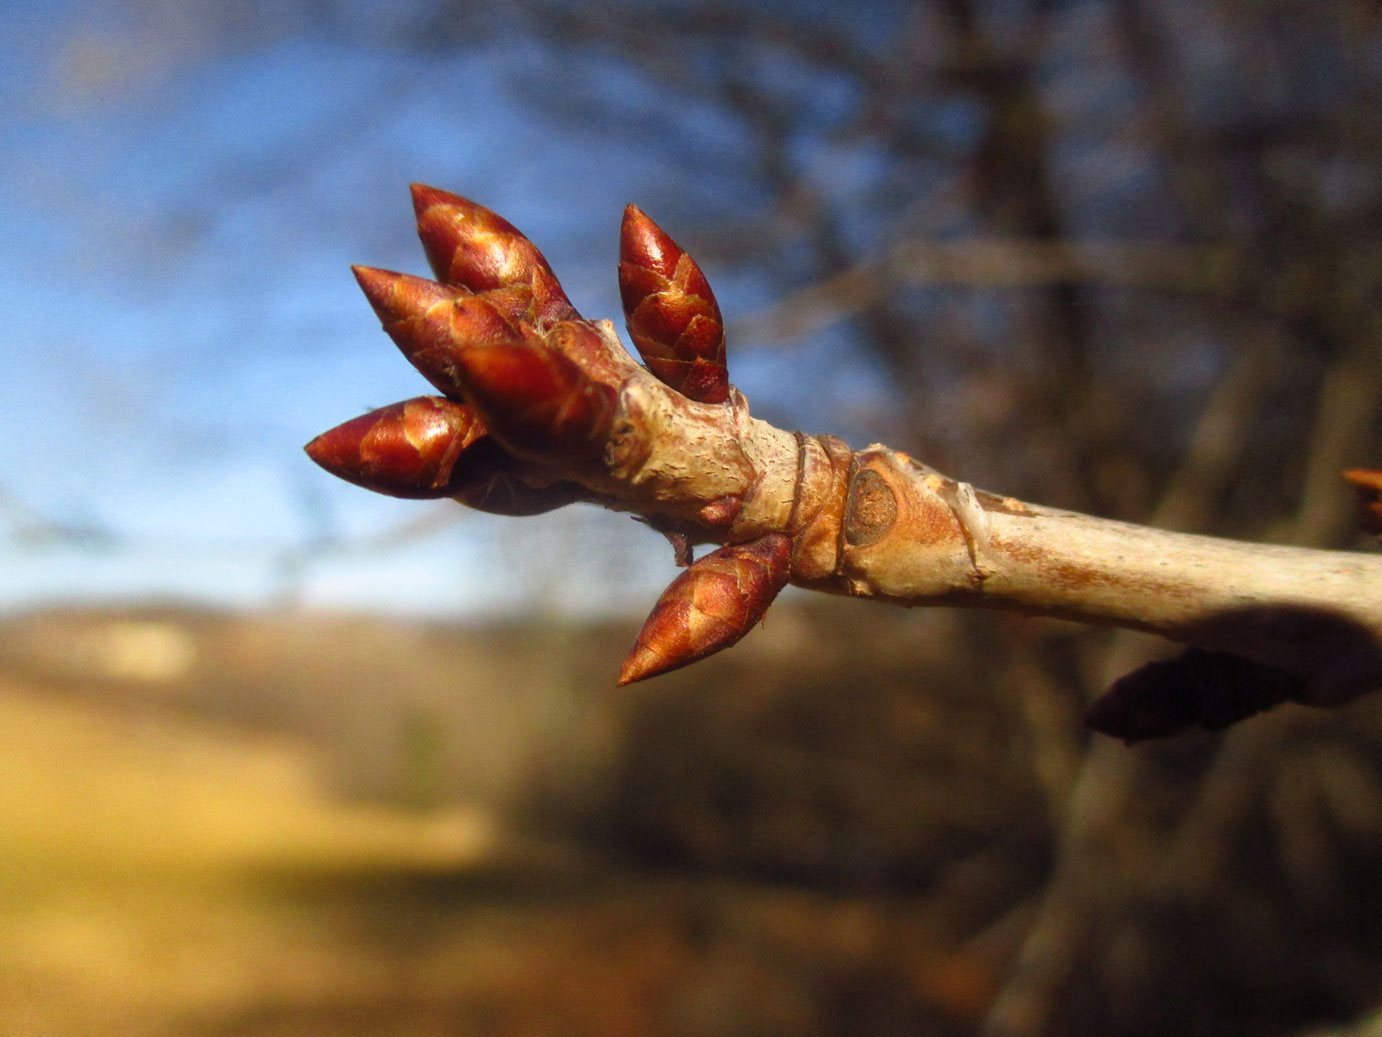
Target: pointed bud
(1367, 482)
(469, 245)
(408, 449)
(671, 311)
(432, 447)
(395, 296)
(431, 323)
(710, 606)
(536, 400)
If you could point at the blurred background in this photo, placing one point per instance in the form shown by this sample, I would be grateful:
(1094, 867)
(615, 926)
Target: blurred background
(279, 756)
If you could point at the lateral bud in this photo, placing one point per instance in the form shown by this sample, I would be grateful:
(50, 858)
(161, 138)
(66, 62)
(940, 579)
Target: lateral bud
(671, 311)
(471, 246)
(710, 606)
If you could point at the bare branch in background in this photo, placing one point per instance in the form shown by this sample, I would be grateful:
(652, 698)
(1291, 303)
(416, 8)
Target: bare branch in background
(1151, 265)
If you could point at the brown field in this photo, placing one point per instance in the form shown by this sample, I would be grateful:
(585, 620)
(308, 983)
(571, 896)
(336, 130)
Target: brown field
(193, 846)
(289, 824)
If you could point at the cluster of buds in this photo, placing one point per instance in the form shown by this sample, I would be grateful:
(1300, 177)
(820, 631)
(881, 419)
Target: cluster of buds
(536, 407)
(527, 419)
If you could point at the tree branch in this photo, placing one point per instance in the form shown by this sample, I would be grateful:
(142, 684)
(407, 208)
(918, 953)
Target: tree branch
(928, 539)
(543, 408)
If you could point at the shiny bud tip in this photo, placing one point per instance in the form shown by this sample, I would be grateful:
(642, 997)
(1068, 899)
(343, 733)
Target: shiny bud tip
(671, 312)
(470, 246)
(407, 449)
(710, 606)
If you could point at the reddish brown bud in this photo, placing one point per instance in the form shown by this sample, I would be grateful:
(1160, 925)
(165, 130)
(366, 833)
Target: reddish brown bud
(396, 297)
(1368, 484)
(431, 323)
(471, 246)
(402, 450)
(710, 606)
(671, 311)
(537, 401)
(407, 449)
(431, 447)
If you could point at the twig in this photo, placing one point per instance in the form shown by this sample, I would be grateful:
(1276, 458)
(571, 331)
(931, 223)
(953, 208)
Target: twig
(543, 408)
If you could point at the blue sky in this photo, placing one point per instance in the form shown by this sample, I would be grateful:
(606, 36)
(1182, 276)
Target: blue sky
(174, 253)
(185, 188)
(186, 184)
